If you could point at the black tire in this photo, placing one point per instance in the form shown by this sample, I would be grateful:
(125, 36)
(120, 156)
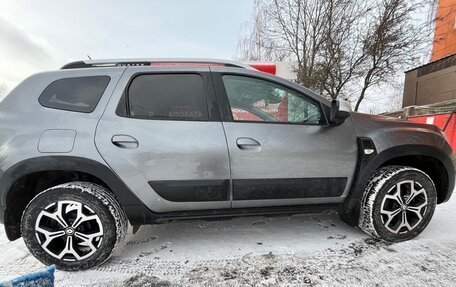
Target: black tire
(382, 212)
(101, 227)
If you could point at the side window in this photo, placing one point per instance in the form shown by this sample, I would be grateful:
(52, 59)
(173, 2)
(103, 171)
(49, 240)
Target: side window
(74, 94)
(243, 115)
(168, 96)
(262, 101)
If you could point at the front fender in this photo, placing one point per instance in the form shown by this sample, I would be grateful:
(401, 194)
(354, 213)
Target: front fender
(387, 132)
(368, 164)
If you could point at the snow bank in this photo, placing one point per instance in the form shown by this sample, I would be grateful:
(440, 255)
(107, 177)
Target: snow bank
(313, 249)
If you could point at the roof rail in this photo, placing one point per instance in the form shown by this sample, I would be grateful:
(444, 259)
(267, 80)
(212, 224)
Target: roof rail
(154, 62)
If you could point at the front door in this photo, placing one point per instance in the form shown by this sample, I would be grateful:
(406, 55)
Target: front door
(282, 151)
(162, 135)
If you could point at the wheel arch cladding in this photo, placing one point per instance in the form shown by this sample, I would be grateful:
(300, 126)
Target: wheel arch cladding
(431, 160)
(47, 171)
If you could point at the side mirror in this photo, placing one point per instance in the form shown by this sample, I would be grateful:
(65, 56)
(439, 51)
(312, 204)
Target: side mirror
(340, 110)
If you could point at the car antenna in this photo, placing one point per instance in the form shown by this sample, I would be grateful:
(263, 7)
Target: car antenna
(89, 57)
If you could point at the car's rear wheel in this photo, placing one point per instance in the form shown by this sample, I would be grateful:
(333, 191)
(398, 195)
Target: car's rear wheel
(398, 203)
(75, 225)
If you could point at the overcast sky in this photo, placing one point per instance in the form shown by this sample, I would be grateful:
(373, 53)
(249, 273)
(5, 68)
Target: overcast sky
(43, 35)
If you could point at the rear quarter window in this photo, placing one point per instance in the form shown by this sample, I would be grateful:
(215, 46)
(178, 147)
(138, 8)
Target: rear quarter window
(74, 94)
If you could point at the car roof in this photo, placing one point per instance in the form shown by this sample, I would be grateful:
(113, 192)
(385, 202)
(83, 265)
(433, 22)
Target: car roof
(155, 62)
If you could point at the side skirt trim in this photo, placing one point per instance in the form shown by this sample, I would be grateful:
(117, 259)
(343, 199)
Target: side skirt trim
(141, 215)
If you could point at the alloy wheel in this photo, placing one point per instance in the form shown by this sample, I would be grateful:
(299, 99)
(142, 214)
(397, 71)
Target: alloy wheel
(404, 207)
(69, 230)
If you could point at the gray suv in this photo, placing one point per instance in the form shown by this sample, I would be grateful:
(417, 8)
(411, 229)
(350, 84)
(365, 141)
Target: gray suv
(88, 148)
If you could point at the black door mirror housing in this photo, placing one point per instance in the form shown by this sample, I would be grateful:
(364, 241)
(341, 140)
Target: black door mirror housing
(340, 110)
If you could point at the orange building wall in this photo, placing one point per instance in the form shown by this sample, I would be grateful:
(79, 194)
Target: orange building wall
(445, 30)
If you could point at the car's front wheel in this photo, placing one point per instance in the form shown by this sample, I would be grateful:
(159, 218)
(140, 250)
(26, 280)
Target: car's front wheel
(75, 225)
(398, 203)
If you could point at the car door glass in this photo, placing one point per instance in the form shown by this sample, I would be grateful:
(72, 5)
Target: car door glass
(243, 115)
(168, 96)
(257, 100)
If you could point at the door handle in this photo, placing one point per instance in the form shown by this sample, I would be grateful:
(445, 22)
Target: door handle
(248, 144)
(124, 141)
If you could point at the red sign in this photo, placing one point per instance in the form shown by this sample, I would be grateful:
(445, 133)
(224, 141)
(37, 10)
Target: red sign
(446, 122)
(265, 67)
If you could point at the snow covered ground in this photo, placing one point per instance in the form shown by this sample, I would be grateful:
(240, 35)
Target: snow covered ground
(312, 249)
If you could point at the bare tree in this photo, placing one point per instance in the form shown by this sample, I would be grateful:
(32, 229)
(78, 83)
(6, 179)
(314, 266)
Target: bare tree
(253, 45)
(392, 43)
(341, 47)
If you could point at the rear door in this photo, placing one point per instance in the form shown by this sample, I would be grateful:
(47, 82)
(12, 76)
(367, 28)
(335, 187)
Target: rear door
(161, 133)
(282, 150)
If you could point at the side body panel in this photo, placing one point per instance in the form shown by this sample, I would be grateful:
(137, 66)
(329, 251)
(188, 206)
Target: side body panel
(317, 163)
(293, 164)
(23, 121)
(185, 162)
